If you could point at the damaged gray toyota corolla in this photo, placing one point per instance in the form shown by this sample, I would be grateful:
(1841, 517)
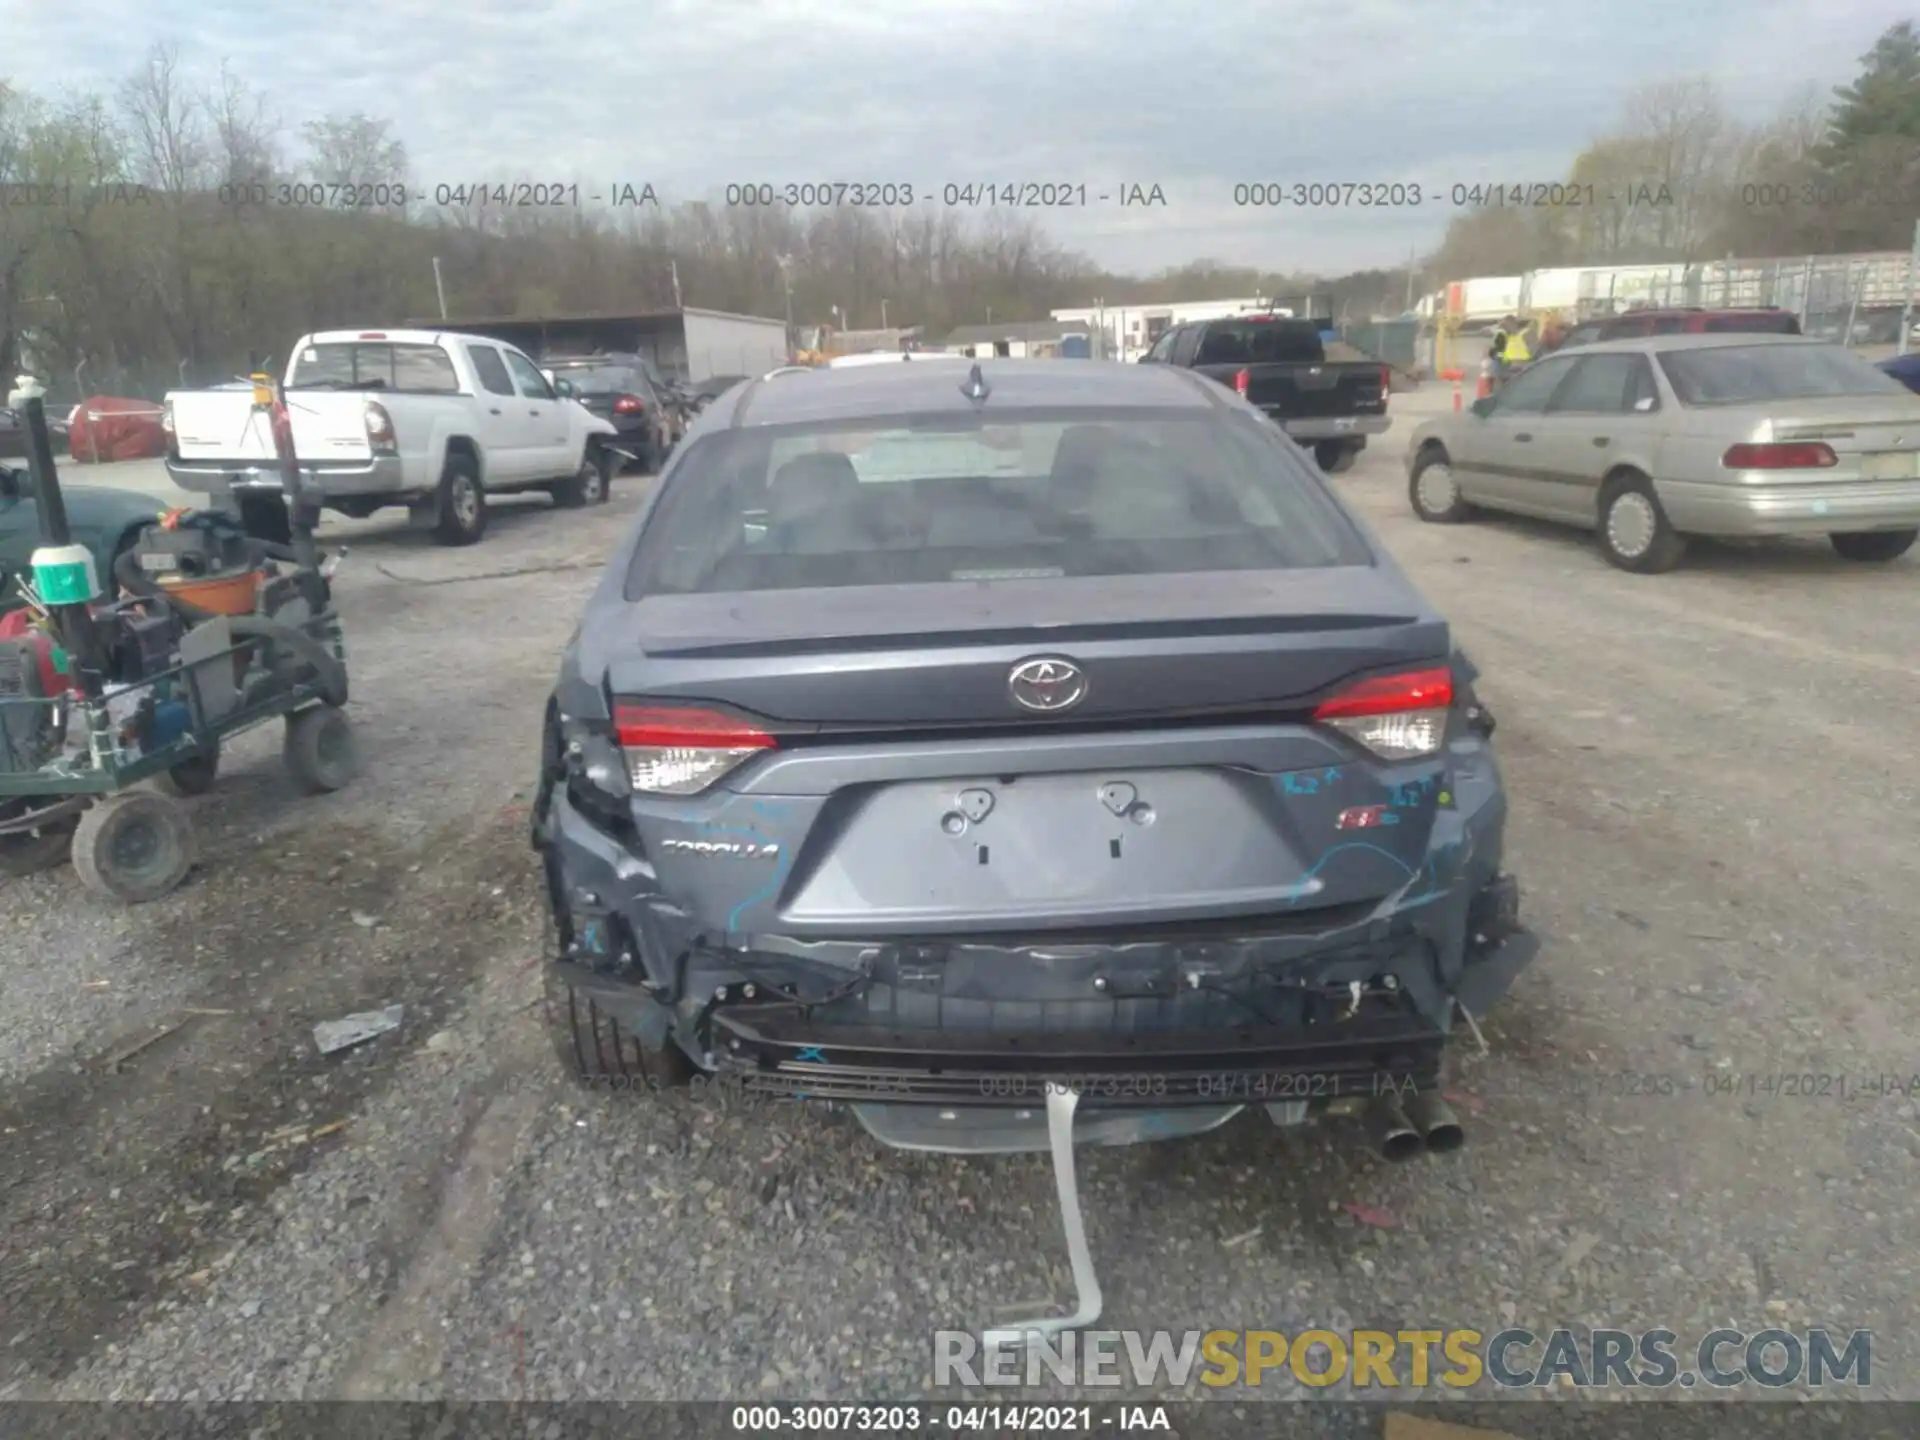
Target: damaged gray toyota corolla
(948, 745)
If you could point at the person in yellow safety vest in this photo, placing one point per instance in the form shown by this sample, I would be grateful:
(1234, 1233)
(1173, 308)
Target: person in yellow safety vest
(1517, 354)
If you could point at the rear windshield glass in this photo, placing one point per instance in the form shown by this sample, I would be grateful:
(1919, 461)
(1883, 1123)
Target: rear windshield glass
(408, 369)
(1255, 342)
(1745, 374)
(905, 501)
(597, 379)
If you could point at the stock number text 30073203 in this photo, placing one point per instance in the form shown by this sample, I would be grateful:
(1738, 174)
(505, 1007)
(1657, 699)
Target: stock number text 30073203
(1327, 195)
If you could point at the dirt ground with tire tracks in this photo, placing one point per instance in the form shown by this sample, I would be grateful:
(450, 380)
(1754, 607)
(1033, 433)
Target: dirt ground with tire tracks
(1715, 810)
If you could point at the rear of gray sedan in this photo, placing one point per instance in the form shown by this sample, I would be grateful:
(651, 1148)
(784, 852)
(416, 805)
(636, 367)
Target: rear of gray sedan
(1651, 441)
(1791, 437)
(948, 735)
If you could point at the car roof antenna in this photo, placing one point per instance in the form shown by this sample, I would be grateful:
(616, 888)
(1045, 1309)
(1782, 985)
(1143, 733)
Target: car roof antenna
(974, 387)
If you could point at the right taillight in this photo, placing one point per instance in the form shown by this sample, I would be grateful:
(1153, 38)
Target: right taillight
(1397, 717)
(1241, 380)
(681, 750)
(1786, 455)
(380, 427)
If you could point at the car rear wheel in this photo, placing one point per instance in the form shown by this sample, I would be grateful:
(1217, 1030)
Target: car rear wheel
(1635, 534)
(462, 507)
(1336, 457)
(598, 1051)
(588, 485)
(1435, 492)
(1874, 547)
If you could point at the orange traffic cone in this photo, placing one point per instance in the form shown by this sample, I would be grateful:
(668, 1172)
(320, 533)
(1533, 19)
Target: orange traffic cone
(1485, 388)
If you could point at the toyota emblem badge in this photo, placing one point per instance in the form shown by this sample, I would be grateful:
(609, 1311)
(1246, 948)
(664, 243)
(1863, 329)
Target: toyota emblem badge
(1047, 684)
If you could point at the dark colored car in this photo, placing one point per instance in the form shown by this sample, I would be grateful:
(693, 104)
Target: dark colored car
(1279, 365)
(1636, 324)
(13, 438)
(1905, 369)
(621, 388)
(103, 518)
(943, 734)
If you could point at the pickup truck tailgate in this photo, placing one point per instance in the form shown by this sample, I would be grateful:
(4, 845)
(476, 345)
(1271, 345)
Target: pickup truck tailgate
(222, 425)
(1312, 392)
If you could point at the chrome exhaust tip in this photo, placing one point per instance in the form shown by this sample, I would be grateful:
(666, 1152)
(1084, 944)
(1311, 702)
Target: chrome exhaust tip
(1391, 1132)
(1439, 1127)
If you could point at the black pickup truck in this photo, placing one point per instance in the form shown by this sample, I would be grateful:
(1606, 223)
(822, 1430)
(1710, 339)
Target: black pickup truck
(1279, 364)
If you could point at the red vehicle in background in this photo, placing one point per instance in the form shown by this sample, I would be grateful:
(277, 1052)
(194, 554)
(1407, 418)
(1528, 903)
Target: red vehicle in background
(106, 427)
(1693, 320)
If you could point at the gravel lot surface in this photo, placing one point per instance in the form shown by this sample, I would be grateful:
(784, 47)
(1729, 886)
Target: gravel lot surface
(1714, 821)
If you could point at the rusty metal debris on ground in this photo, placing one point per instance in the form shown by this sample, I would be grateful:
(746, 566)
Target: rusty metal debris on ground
(332, 1036)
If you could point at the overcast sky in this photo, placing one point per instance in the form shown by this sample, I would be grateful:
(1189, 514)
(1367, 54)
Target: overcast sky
(1192, 97)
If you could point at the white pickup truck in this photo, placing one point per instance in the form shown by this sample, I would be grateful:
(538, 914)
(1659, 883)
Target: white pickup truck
(428, 419)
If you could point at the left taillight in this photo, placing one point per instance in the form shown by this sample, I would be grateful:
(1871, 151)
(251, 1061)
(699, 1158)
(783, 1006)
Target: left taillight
(380, 427)
(681, 750)
(1397, 717)
(629, 405)
(1241, 380)
(1386, 384)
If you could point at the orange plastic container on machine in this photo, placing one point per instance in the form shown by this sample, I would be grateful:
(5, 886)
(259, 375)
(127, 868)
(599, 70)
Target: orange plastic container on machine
(228, 595)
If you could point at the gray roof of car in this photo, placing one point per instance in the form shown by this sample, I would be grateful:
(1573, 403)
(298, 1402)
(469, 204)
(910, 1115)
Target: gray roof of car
(1719, 339)
(850, 393)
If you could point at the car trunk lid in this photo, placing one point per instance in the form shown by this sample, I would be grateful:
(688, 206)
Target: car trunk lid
(903, 790)
(1872, 441)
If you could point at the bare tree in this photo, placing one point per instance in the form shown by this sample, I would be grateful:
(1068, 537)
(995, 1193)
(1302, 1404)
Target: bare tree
(354, 149)
(167, 130)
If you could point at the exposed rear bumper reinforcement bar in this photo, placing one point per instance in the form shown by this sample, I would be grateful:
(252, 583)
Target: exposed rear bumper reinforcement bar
(779, 1053)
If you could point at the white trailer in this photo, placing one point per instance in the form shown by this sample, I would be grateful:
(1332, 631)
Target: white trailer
(713, 342)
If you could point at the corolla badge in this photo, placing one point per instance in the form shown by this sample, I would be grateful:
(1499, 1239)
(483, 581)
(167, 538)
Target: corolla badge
(1047, 684)
(723, 849)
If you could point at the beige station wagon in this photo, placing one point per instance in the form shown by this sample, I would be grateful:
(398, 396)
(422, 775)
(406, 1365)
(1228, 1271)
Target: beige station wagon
(1649, 441)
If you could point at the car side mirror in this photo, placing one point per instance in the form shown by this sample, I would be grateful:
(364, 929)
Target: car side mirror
(564, 389)
(1483, 407)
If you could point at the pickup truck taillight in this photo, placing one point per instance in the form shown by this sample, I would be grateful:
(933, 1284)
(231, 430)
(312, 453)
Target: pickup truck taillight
(1242, 378)
(1386, 383)
(380, 428)
(629, 405)
(167, 431)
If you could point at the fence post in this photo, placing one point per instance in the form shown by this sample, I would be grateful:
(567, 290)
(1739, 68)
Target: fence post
(1913, 275)
(1853, 310)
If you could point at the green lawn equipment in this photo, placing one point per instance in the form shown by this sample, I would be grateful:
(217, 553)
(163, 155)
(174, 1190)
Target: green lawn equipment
(200, 633)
